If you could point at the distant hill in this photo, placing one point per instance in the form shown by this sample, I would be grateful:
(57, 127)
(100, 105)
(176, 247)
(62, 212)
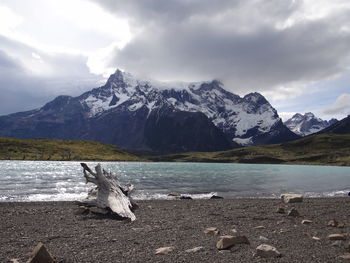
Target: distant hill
(340, 127)
(321, 149)
(49, 149)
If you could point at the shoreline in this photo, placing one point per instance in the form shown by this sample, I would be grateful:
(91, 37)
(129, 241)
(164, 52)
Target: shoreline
(74, 237)
(183, 161)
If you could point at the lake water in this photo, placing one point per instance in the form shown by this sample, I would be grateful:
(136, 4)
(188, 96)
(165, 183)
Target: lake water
(48, 181)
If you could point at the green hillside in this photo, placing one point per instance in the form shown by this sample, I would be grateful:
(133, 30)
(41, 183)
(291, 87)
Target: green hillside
(322, 149)
(48, 149)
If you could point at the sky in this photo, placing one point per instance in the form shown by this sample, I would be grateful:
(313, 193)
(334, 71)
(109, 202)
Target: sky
(295, 52)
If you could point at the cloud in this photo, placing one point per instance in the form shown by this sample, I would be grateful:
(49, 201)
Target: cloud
(249, 45)
(340, 107)
(30, 77)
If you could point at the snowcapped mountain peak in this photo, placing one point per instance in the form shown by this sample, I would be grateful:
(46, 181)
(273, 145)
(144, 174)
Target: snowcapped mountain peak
(238, 117)
(309, 115)
(307, 124)
(255, 97)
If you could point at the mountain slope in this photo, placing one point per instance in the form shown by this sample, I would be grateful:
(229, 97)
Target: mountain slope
(307, 124)
(49, 149)
(127, 112)
(320, 149)
(340, 127)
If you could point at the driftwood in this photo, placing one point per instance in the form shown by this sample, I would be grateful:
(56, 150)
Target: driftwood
(109, 193)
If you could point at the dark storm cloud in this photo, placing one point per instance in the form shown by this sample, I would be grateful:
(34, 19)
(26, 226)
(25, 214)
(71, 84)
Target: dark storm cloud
(29, 78)
(246, 44)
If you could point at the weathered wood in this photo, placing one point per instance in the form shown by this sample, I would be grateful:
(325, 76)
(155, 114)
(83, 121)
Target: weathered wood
(109, 193)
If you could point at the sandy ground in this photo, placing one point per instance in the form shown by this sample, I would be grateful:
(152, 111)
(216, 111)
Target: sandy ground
(72, 237)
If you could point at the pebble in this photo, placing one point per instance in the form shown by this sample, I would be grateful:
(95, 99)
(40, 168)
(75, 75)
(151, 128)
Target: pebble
(306, 222)
(212, 230)
(333, 223)
(259, 227)
(262, 238)
(337, 237)
(267, 251)
(292, 198)
(228, 241)
(164, 250)
(195, 250)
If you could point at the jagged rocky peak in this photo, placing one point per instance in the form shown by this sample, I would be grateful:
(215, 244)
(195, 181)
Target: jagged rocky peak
(239, 118)
(307, 124)
(127, 111)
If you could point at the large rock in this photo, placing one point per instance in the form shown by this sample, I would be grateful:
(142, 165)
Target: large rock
(229, 241)
(292, 198)
(40, 255)
(267, 251)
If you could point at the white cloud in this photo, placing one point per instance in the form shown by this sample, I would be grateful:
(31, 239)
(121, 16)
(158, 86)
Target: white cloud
(341, 106)
(286, 115)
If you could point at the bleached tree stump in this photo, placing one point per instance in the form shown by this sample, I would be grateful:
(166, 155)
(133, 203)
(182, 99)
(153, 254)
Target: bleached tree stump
(109, 193)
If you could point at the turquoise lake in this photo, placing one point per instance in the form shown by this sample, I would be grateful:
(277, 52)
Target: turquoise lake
(64, 181)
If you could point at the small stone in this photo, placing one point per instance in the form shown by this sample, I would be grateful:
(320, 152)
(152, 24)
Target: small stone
(280, 210)
(306, 222)
(234, 230)
(267, 251)
(292, 198)
(13, 260)
(341, 225)
(212, 231)
(195, 250)
(216, 197)
(228, 241)
(293, 212)
(337, 237)
(333, 223)
(164, 250)
(262, 238)
(259, 227)
(316, 238)
(40, 255)
(337, 243)
(345, 256)
(174, 194)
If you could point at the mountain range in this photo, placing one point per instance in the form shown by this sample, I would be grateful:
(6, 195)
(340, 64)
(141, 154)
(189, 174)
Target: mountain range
(148, 115)
(307, 124)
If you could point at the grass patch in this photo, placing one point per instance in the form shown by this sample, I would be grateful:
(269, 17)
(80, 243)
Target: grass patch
(322, 149)
(61, 150)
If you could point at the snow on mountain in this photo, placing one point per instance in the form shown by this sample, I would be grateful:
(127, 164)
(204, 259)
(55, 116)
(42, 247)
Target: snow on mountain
(241, 119)
(307, 124)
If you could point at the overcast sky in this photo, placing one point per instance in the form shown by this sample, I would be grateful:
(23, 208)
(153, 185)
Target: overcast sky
(296, 52)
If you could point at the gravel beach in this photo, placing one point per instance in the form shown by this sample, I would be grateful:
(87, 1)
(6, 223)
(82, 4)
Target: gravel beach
(74, 237)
